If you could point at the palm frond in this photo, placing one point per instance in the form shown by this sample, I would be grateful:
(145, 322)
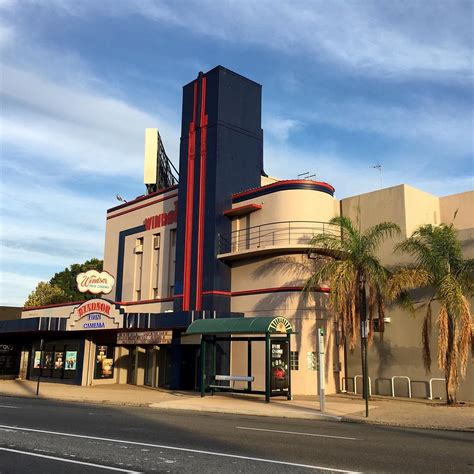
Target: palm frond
(375, 235)
(407, 278)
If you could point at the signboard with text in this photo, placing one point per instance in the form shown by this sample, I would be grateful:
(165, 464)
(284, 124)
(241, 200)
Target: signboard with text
(95, 282)
(144, 337)
(95, 314)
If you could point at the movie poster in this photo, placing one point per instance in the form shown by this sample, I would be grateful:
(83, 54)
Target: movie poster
(58, 360)
(104, 368)
(279, 366)
(37, 364)
(71, 360)
(48, 360)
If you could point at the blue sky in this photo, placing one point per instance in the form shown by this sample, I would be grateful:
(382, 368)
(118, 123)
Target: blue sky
(346, 85)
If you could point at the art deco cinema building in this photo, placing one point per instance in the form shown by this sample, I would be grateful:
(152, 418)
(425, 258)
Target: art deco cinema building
(229, 242)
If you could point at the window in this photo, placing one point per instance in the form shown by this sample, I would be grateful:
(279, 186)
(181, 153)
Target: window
(312, 361)
(156, 265)
(172, 262)
(138, 250)
(294, 360)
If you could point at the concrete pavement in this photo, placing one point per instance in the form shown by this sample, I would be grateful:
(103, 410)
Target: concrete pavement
(61, 435)
(395, 412)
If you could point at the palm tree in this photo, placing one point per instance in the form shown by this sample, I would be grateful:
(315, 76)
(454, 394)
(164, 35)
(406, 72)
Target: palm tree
(349, 264)
(441, 269)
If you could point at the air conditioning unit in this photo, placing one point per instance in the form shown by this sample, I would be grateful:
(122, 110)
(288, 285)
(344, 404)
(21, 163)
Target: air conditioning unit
(139, 249)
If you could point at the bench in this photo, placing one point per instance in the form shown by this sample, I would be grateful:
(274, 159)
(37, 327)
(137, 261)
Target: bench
(231, 379)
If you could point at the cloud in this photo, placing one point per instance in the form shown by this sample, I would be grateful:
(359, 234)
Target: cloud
(360, 36)
(424, 120)
(75, 126)
(391, 40)
(14, 288)
(351, 177)
(279, 128)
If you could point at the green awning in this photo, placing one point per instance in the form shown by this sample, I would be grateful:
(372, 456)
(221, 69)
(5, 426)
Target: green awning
(258, 325)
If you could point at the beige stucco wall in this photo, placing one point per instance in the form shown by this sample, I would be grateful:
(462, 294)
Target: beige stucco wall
(307, 315)
(290, 205)
(399, 353)
(118, 221)
(463, 204)
(62, 311)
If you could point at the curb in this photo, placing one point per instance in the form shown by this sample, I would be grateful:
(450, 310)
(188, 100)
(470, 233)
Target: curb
(300, 416)
(366, 421)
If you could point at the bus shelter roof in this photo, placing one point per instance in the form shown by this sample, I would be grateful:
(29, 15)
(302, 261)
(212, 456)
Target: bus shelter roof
(256, 325)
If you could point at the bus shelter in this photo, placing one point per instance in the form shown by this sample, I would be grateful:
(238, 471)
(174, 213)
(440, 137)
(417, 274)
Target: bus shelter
(274, 331)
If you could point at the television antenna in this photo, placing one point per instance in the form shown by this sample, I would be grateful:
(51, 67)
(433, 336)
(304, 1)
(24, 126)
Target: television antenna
(306, 175)
(378, 166)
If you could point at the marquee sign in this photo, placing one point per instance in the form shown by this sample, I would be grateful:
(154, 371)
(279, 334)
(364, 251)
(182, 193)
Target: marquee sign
(95, 282)
(95, 314)
(280, 324)
(144, 337)
(163, 219)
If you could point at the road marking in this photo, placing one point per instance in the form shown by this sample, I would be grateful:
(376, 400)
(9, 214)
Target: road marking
(297, 433)
(188, 450)
(54, 458)
(8, 406)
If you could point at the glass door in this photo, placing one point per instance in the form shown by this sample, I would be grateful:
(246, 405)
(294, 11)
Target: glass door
(149, 366)
(132, 365)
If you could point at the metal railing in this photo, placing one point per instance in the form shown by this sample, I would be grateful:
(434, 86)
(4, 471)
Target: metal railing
(345, 385)
(277, 234)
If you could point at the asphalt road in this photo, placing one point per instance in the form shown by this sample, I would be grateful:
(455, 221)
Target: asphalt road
(38, 436)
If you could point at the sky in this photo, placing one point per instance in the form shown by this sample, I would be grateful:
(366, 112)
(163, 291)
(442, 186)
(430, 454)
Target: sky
(347, 85)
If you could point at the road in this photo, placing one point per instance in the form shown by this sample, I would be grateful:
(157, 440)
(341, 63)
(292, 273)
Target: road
(40, 436)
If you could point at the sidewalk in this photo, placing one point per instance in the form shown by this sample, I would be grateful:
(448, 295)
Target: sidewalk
(395, 412)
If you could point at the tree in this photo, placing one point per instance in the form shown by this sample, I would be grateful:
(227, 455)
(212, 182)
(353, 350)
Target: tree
(62, 287)
(349, 265)
(442, 271)
(66, 279)
(45, 294)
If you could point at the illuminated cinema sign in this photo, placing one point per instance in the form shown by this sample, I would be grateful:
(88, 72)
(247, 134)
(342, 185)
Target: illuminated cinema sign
(95, 314)
(163, 219)
(95, 282)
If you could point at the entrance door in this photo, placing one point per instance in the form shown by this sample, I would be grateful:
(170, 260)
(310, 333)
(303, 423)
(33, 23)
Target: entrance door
(132, 365)
(149, 352)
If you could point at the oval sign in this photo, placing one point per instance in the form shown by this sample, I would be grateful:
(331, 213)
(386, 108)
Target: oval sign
(95, 282)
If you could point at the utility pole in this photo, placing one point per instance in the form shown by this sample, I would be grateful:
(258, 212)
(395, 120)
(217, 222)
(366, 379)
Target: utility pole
(321, 363)
(40, 367)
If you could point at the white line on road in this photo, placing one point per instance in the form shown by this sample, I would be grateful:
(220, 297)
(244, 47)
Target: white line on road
(188, 450)
(297, 433)
(8, 406)
(54, 458)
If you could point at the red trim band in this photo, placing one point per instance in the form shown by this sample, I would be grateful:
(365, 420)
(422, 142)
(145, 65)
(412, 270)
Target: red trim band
(142, 198)
(259, 291)
(171, 196)
(202, 194)
(189, 206)
(304, 183)
(217, 292)
(57, 305)
(277, 290)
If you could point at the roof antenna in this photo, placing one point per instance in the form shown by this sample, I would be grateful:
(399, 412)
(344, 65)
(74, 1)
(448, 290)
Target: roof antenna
(378, 166)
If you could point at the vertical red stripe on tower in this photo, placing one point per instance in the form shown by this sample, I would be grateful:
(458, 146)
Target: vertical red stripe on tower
(188, 233)
(202, 195)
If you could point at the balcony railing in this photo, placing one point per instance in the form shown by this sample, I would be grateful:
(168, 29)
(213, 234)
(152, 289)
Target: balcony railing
(275, 234)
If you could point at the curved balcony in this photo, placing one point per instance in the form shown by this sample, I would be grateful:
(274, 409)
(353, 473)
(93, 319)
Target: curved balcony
(273, 237)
